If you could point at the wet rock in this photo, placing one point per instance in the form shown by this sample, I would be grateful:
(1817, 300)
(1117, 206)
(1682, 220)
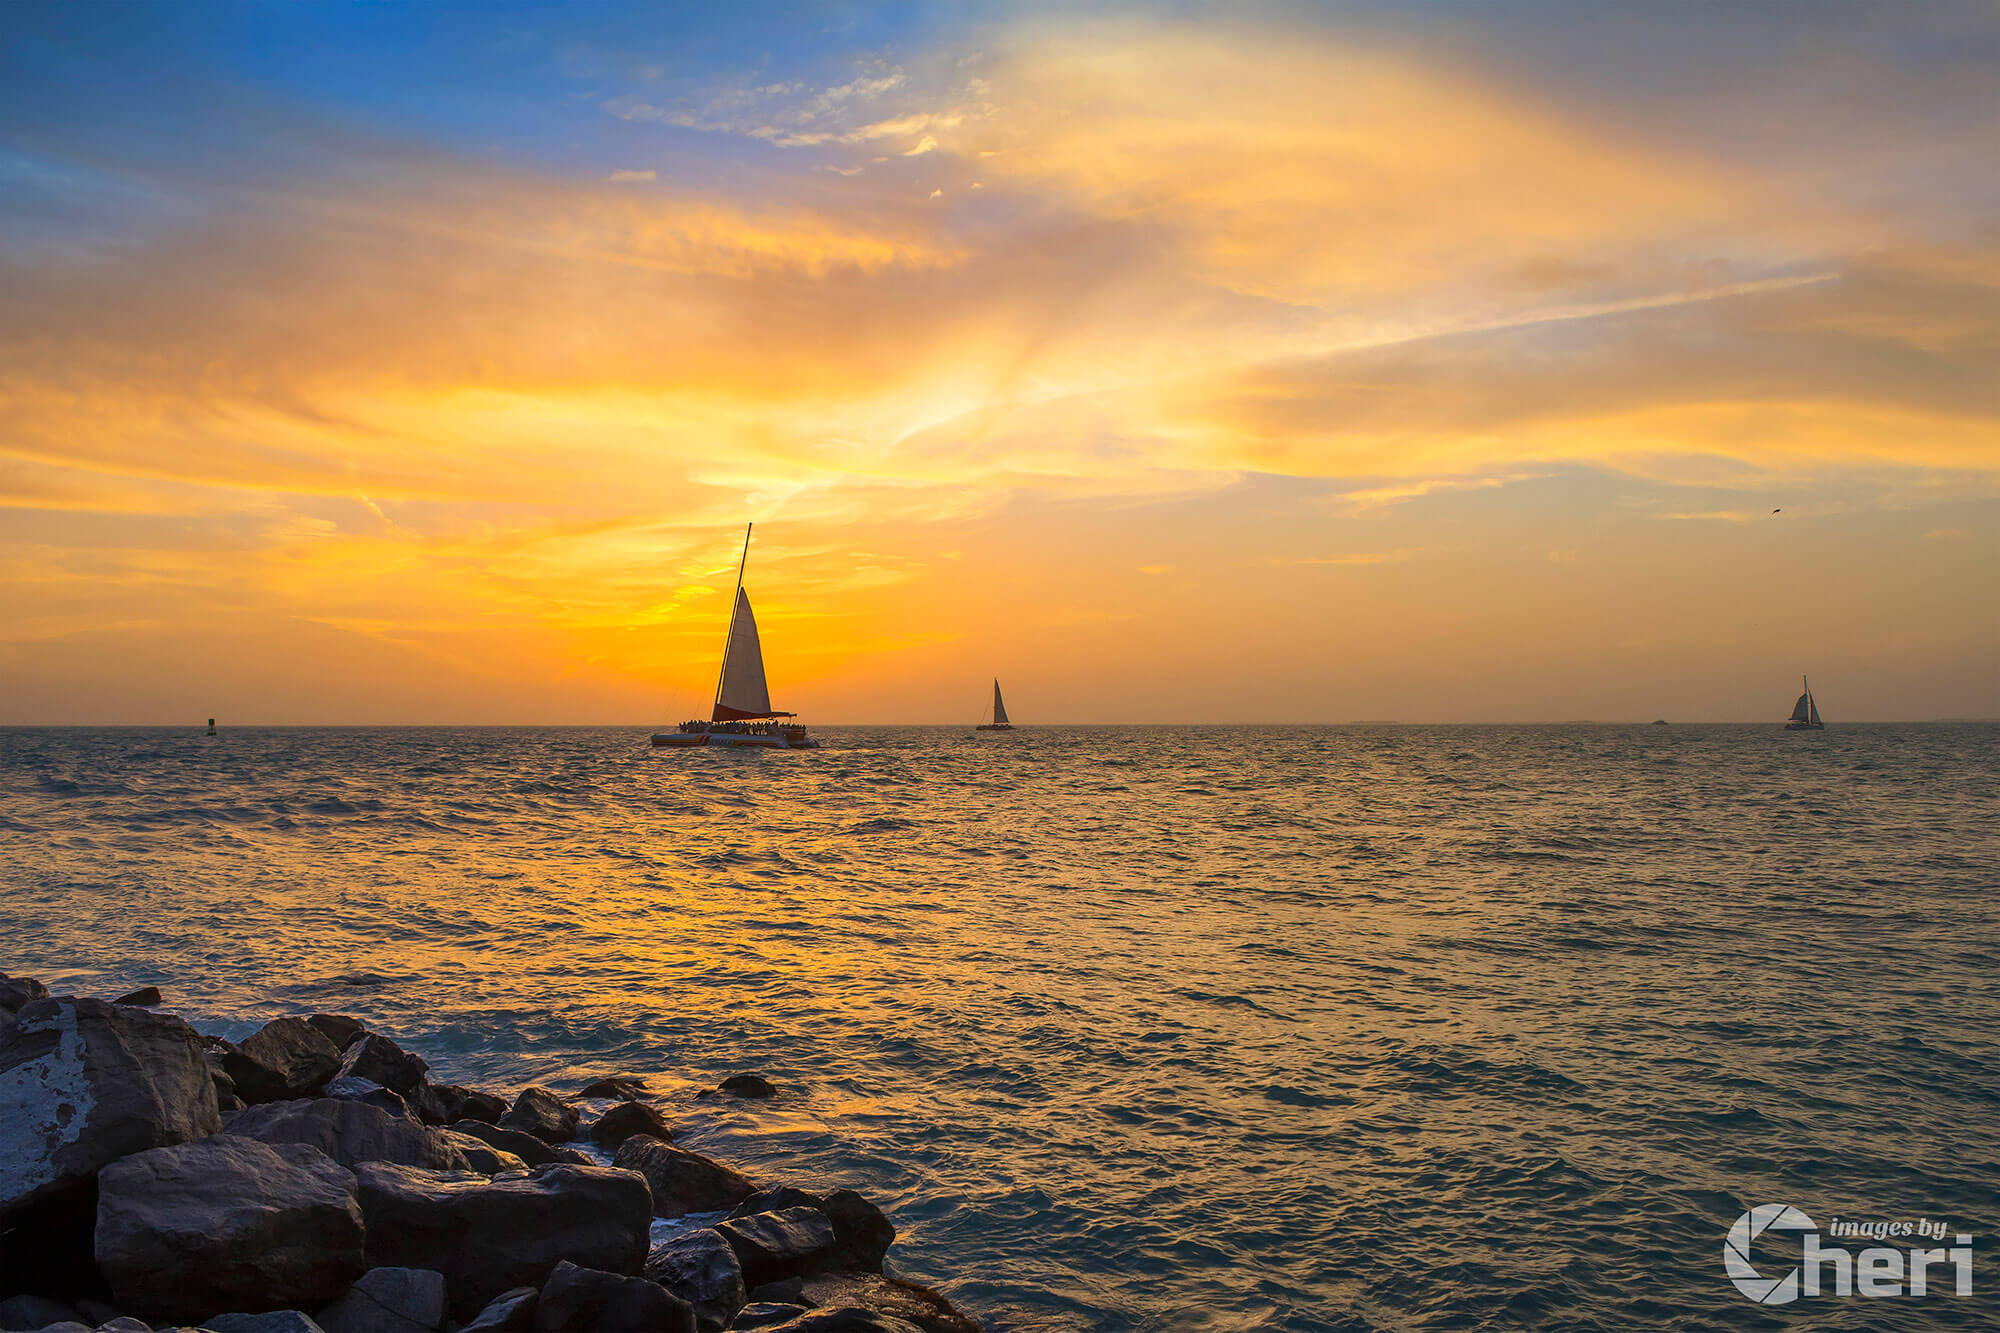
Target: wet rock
(700, 1268)
(284, 1059)
(788, 1243)
(765, 1314)
(682, 1182)
(862, 1235)
(468, 1104)
(83, 1083)
(23, 1312)
(374, 1057)
(143, 998)
(907, 1301)
(775, 1200)
(623, 1121)
(586, 1300)
(389, 1300)
(349, 1132)
(846, 1319)
(16, 992)
(540, 1112)
(482, 1156)
(486, 1236)
(340, 1029)
(269, 1321)
(748, 1085)
(369, 1094)
(227, 1223)
(512, 1311)
(524, 1146)
(620, 1087)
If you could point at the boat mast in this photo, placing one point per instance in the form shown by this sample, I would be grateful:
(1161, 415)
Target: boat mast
(722, 672)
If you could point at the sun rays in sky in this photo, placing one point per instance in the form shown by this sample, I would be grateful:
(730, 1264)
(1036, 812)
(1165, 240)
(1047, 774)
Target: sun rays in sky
(423, 365)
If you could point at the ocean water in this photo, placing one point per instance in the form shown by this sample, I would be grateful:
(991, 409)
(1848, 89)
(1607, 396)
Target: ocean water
(1178, 1028)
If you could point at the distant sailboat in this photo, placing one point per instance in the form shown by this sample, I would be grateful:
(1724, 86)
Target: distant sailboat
(1805, 713)
(999, 722)
(742, 715)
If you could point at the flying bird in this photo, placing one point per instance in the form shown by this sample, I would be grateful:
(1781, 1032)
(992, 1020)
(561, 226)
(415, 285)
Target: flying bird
(1777, 511)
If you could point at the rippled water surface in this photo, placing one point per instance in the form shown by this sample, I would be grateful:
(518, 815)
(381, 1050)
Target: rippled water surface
(1152, 1027)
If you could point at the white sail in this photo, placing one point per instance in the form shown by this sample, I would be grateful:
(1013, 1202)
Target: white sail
(743, 693)
(1802, 710)
(999, 708)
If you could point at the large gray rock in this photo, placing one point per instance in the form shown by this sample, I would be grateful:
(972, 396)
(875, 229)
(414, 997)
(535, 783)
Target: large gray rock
(907, 1301)
(227, 1223)
(267, 1321)
(700, 1268)
(621, 1122)
(468, 1104)
(379, 1060)
(524, 1146)
(512, 1311)
(774, 1199)
(789, 1243)
(488, 1235)
(84, 1083)
(585, 1300)
(349, 1132)
(17, 992)
(389, 1300)
(862, 1235)
(284, 1059)
(340, 1029)
(540, 1112)
(482, 1156)
(682, 1182)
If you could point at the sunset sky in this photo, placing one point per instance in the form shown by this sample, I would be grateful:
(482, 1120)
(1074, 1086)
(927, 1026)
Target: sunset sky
(1421, 361)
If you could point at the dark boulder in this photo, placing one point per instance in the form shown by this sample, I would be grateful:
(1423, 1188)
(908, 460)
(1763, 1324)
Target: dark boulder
(862, 1235)
(766, 1314)
(585, 1300)
(379, 1060)
(84, 1083)
(540, 1112)
(339, 1029)
(488, 1235)
(143, 998)
(789, 1243)
(482, 1156)
(775, 1199)
(25, 1312)
(468, 1104)
(17, 992)
(785, 1291)
(621, 1122)
(907, 1301)
(369, 1094)
(284, 1059)
(700, 1268)
(349, 1132)
(227, 1223)
(512, 1311)
(524, 1146)
(619, 1087)
(748, 1085)
(682, 1182)
(389, 1300)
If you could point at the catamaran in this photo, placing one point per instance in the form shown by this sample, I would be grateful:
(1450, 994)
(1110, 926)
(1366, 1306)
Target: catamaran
(999, 722)
(742, 715)
(1805, 713)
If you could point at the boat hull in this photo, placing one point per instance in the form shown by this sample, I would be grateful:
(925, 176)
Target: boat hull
(729, 740)
(993, 726)
(1805, 726)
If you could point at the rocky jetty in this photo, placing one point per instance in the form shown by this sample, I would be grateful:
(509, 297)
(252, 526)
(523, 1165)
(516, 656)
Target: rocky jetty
(312, 1179)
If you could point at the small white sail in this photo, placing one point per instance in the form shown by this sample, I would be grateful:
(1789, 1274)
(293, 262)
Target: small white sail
(744, 693)
(1802, 710)
(999, 708)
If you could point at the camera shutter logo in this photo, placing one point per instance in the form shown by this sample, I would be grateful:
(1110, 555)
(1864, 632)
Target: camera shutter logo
(1736, 1253)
